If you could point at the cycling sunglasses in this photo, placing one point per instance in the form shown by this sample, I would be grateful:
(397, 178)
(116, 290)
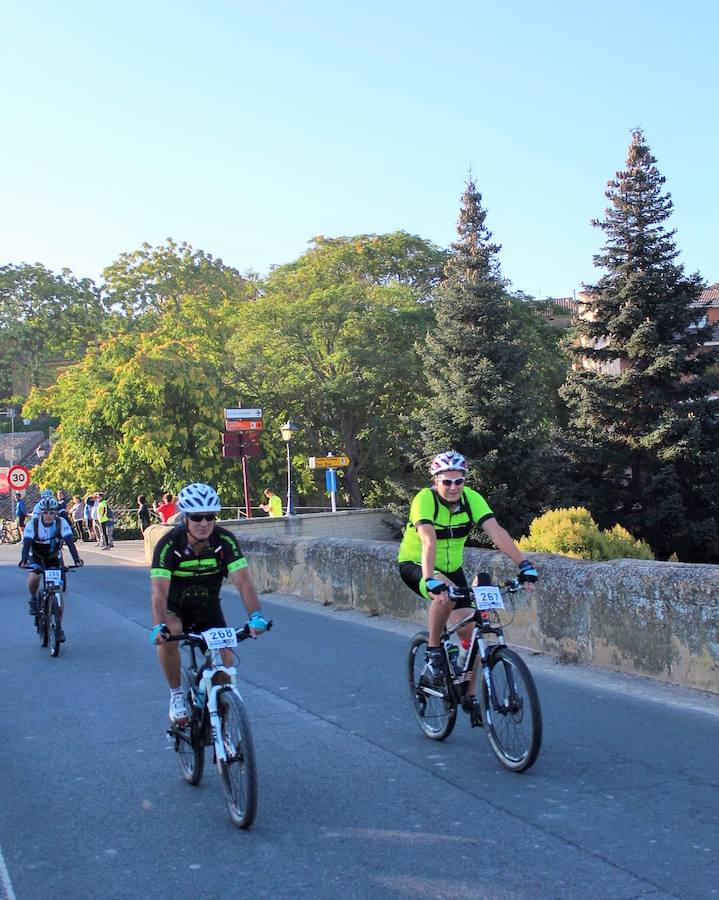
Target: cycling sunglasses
(202, 517)
(448, 482)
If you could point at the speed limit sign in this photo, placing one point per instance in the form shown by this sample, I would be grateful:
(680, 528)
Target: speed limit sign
(18, 478)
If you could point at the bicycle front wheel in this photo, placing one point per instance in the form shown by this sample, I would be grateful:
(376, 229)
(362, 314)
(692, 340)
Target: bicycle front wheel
(238, 771)
(436, 715)
(189, 741)
(53, 626)
(41, 618)
(513, 718)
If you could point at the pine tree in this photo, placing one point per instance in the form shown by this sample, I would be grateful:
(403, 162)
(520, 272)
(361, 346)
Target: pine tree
(483, 400)
(643, 427)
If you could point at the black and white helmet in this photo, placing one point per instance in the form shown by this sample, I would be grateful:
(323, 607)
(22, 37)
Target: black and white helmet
(449, 461)
(198, 498)
(48, 504)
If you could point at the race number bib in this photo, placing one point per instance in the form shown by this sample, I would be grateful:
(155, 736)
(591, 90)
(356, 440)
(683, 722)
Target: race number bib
(488, 597)
(215, 638)
(53, 576)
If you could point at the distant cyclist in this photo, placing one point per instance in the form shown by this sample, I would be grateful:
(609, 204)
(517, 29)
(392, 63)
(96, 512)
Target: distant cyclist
(42, 543)
(432, 550)
(188, 566)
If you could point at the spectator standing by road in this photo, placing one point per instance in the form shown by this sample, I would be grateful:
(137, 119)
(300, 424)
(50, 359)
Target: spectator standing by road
(89, 503)
(273, 507)
(77, 514)
(110, 526)
(143, 513)
(102, 518)
(96, 529)
(19, 513)
(167, 508)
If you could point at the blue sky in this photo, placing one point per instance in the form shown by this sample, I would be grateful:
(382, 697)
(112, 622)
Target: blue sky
(247, 128)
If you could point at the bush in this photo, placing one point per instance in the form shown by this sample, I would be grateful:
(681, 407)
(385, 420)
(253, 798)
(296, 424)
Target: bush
(573, 532)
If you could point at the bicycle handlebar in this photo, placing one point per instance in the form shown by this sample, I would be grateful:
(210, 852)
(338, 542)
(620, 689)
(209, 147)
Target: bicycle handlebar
(512, 585)
(35, 567)
(242, 634)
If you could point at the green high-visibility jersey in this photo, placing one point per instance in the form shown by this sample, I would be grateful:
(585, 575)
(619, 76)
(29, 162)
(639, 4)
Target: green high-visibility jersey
(452, 525)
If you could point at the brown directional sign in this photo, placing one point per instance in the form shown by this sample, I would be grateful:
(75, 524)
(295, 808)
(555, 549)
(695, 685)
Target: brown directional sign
(243, 424)
(231, 452)
(231, 439)
(251, 450)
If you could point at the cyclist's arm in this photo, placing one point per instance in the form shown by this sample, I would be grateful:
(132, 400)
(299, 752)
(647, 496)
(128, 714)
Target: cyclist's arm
(159, 592)
(428, 537)
(501, 539)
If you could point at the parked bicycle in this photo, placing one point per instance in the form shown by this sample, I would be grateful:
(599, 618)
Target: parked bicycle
(218, 719)
(9, 532)
(509, 702)
(50, 602)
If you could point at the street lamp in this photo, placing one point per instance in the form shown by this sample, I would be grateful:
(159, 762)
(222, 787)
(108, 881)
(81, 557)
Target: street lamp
(287, 430)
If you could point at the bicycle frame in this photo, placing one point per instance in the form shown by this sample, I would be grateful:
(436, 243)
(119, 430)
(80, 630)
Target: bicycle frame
(207, 698)
(457, 684)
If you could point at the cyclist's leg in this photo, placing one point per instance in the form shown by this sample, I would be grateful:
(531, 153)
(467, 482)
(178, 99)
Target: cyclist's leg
(33, 583)
(169, 653)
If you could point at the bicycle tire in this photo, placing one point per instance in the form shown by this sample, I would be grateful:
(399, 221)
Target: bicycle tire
(514, 730)
(189, 743)
(239, 772)
(41, 619)
(54, 625)
(436, 716)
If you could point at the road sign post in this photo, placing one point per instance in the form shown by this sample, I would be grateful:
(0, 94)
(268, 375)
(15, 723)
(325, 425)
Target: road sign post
(241, 440)
(331, 484)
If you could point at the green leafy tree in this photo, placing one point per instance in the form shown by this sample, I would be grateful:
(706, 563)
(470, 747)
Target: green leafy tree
(143, 414)
(644, 430)
(485, 398)
(330, 344)
(45, 318)
(154, 281)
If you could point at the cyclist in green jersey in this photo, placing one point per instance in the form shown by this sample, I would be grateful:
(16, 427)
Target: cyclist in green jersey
(432, 550)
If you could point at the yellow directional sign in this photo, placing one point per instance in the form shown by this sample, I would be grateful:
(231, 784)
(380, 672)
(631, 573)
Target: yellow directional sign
(328, 462)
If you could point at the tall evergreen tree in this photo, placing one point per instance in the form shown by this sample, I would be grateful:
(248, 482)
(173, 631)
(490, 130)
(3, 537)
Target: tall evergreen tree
(643, 427)
(484, 401)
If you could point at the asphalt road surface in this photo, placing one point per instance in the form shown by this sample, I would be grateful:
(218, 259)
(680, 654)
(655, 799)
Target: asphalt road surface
(354, 801)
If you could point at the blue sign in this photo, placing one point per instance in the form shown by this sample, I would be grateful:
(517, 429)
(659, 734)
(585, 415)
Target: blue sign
(331, 480)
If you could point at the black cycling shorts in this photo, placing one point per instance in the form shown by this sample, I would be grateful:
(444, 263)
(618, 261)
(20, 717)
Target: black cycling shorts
(411, 574)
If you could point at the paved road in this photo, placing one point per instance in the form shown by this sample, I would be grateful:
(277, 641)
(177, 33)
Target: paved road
(354, 801)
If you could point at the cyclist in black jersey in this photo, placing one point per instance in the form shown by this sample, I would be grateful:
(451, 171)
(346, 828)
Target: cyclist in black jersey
(432, 550)
(188, 567)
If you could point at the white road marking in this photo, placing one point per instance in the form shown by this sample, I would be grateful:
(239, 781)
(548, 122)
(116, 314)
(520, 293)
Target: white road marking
(6, 891)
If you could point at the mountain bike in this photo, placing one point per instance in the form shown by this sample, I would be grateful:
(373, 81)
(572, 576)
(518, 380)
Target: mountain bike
(218, 719)
(509, 702)
(9, 532)
(50, 603)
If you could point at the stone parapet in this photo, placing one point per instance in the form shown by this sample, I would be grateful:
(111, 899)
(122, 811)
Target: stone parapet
(648, 618)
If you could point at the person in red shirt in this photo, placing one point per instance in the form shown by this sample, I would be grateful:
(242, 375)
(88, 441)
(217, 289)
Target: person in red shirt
(167, 508)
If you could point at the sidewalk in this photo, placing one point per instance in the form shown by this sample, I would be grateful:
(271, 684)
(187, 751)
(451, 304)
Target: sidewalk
(127, 551)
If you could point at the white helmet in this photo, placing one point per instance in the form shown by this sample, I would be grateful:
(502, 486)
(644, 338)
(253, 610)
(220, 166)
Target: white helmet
(198, 498)
(48, 504)
(46, 492)
(448, 462)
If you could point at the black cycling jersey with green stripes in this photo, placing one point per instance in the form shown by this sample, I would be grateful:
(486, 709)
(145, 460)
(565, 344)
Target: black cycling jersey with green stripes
(452, 524)
(196, 576)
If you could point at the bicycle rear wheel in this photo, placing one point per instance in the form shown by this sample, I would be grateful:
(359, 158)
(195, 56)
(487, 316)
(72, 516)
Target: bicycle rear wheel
(238, 772)
(435, 715)
(54, 624)
(514, 720)
(189, 741)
